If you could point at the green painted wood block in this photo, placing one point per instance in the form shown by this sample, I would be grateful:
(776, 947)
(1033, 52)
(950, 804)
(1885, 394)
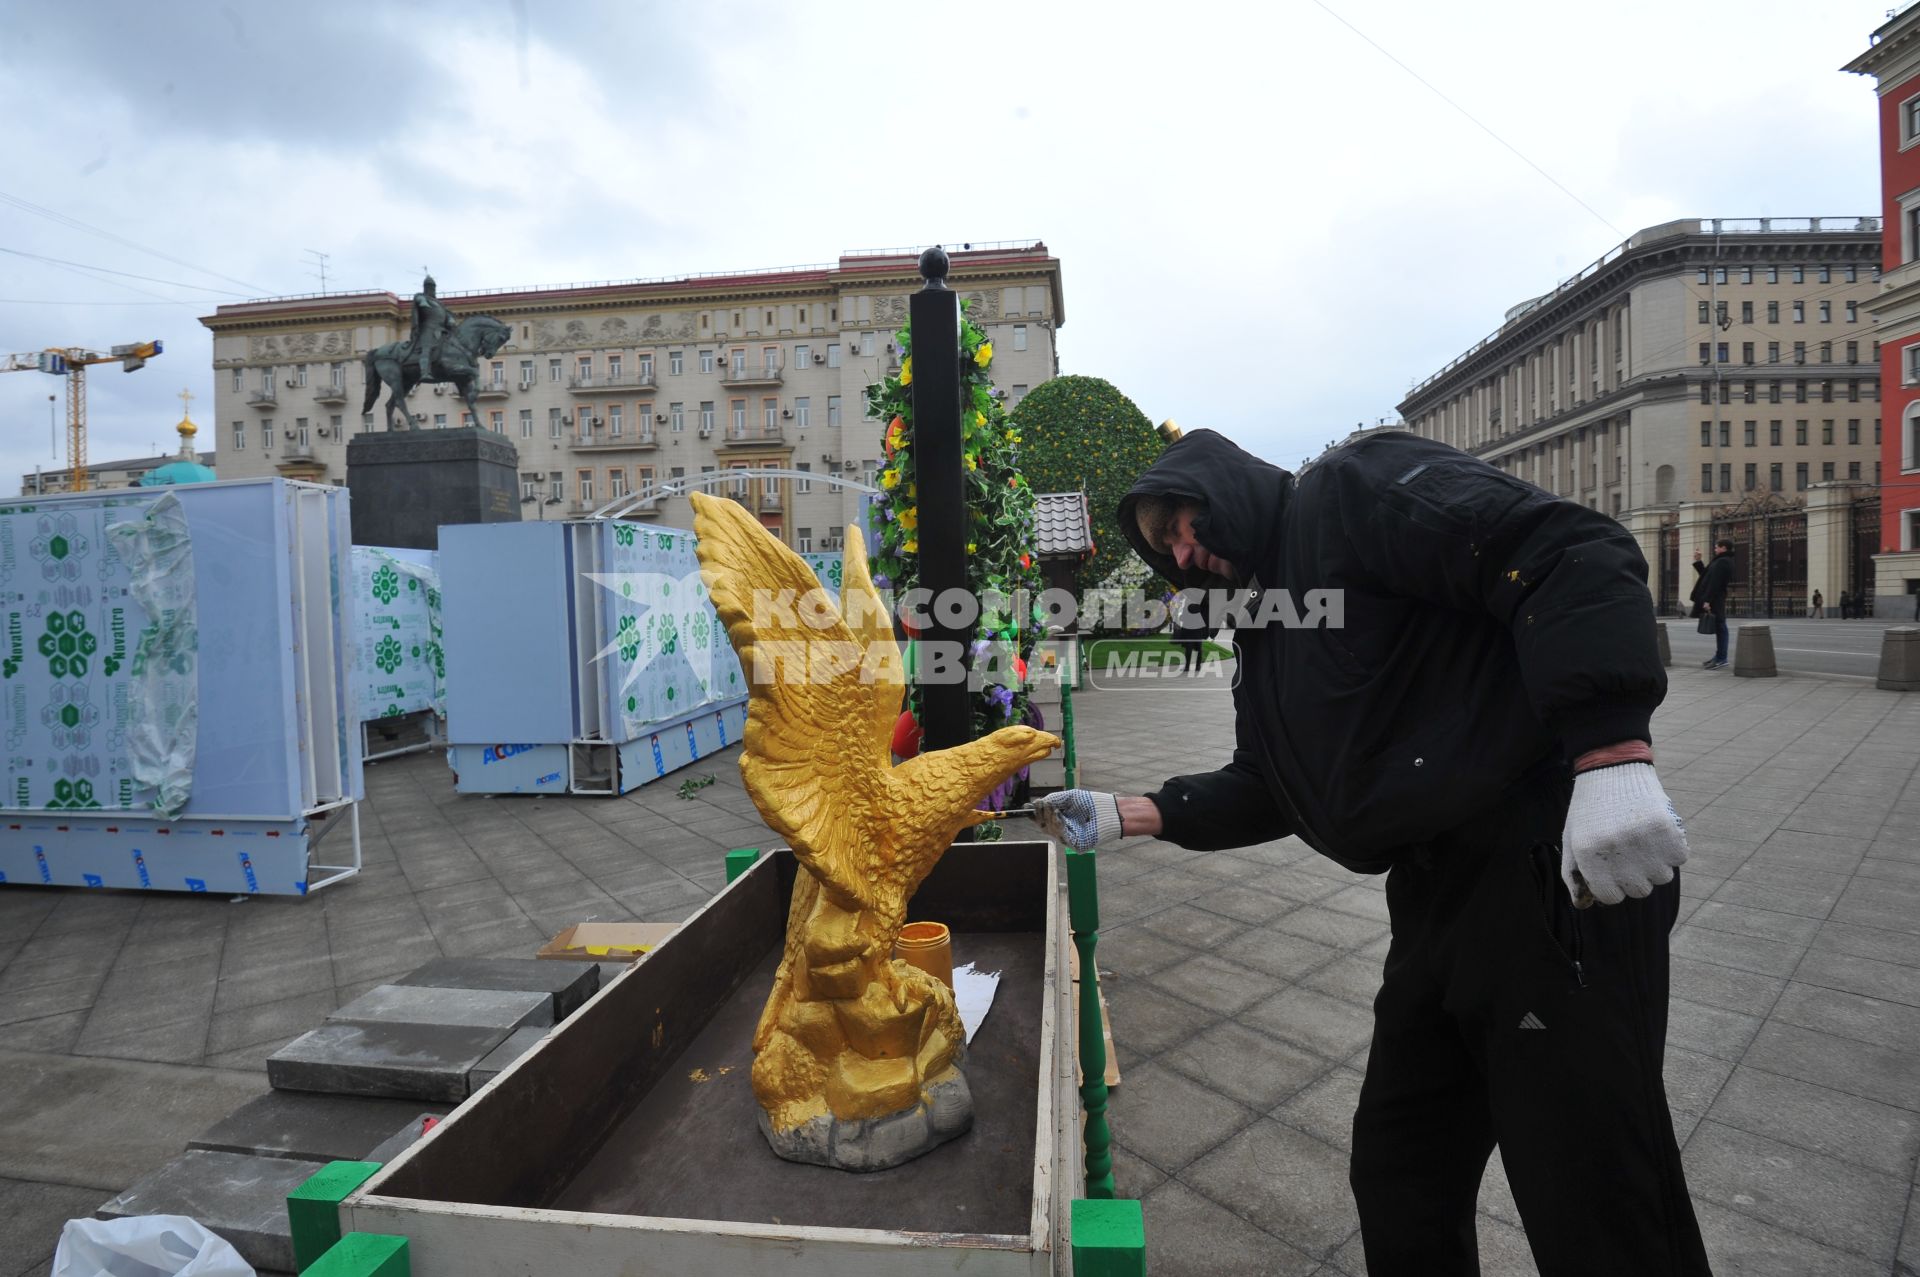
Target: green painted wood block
(313, 1209)
(364, 1255)
(741, 859)
(1109, 1238)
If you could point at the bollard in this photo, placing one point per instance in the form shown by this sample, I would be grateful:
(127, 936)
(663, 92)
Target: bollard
(1900, 659)
(1753, 652)
(1666, 646)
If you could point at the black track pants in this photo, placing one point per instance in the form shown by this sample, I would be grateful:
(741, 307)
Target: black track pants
(1507, 1017)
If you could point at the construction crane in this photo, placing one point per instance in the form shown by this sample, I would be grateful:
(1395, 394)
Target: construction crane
(72, 363)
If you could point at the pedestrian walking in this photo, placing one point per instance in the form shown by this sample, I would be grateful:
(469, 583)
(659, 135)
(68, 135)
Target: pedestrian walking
(1818, 612)
(1477, 729)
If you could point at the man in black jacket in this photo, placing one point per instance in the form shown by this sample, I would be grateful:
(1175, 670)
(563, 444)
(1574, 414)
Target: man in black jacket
(1477, 726)
(1710, 592)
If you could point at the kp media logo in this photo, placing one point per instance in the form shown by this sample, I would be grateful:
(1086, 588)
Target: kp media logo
(1160, 666)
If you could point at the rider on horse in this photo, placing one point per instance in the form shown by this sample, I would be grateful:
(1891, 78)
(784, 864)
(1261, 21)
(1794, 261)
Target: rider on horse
(431, 324)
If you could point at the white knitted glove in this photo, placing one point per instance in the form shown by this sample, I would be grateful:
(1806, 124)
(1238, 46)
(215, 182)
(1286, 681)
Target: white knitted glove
(1623, 837)
(1080, 818)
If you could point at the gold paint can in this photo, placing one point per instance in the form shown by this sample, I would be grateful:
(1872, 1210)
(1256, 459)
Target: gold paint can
(929, 946)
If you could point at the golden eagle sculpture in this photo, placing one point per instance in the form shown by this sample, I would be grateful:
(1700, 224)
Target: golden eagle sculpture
(857, 1055)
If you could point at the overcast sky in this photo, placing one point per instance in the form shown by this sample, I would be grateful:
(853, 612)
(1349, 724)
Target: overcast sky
(1267, 222)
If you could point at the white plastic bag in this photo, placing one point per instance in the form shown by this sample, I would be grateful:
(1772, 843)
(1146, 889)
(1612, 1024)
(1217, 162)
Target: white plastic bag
(145, 1246)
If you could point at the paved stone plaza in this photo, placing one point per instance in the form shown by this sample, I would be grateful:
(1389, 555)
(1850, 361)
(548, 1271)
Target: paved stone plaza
(1239, 982)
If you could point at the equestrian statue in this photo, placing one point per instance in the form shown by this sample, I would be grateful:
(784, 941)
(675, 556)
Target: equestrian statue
(438, 349)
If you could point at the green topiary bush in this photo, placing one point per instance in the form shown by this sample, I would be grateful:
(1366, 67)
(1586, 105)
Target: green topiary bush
(1080, 432)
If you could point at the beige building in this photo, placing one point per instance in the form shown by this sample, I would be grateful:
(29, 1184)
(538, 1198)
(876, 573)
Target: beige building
(1702, 361)
(607, 390)
(125, 473)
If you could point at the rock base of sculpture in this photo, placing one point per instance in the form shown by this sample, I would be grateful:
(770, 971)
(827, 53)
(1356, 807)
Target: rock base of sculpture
(876, 1143)
(407, 484)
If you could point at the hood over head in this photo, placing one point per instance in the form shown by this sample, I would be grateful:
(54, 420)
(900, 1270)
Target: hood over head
(1241, 499)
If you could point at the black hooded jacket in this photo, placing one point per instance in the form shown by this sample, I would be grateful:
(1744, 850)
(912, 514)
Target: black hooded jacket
(1490, 629)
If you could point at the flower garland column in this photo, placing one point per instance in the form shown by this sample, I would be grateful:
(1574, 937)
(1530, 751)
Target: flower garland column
(934, 313)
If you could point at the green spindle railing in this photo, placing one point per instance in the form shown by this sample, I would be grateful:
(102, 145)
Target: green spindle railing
(1083, 911)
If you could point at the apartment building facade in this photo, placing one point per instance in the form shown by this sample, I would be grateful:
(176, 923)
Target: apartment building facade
(1701, 361)
(614, 390)
(1893, 60)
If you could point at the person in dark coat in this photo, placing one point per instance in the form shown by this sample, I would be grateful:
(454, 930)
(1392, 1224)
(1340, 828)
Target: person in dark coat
(1448, 675)
(1710, 591)
(1846, 605)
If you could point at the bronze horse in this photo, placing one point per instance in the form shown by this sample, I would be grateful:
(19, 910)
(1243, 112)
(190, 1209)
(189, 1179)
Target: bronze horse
(457, 361)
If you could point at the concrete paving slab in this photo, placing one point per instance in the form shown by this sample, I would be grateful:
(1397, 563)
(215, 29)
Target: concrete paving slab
(241, 1198)
(473, 1008)
(414, 1061)
(313, 1127)
(102, 1124)
(31, 1217)
(1836, 1204)
(1188, 1233)
(569, 984)
(517, 1044)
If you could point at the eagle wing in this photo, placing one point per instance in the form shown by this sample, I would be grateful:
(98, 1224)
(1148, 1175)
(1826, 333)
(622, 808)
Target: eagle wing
(811, 764)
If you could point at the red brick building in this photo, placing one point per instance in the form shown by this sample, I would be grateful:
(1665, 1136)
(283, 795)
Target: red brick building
(1894, 63)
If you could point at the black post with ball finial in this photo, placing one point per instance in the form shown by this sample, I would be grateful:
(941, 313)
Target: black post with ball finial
(934, 312)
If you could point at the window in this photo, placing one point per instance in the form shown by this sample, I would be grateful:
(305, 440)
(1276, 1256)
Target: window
(616, 483)
(803, 485)
(1826, 352)
(585, 480)
(553, 371)
(1773, 433)
(1019, 336)
(266, 434)
(1800, 476)
(1776, 479)
(1726, 392)
(553, 423)
(1876, 431)
(300, 375)
(1853, 430)
(498, 373)
(738, 361)
(496, 421)
(1719, 274)
(770, 358)
(706, 414)
(802, 411)
(1853, 312)
(1799, 275)
(439, 421)
(803, 540)
(1853, 352)
(643, 479)
(1773, 312)
(1773, 392)
(1853, 469)
(239, 379)
(1706, 434)
(1799, 352)
(616, 419)
(1749, 431)
(1826, 431)
(239, 436)
(677, 417)
(1706, 477)
(1726, 434)
(1702, 276)
(739, 407)
(833, 354)
(1800, 433)
(1826, 312)
(527, 488)
(613, 369)
(1826, 472)
(1800, 391)
(1726, 477)
(802, 358)
(646, 366)
(1746, 352)
(1720, 314)
(1799, 312)
(643, 420)
(526, 372)
(833, 410)
(1826, 392)
(1706, 387)
(1853, 274)
(366, 424)
(1773, 352)
(557, 489)
(676, 362)
(1826, 274)
(866, 342)
(1746, 312)
(1773, 276)
(266, 380)
(1706, 352)
(526, 423)
(770, 415)
(1019, 392)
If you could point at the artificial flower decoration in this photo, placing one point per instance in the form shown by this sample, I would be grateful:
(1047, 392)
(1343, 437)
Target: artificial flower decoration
(906, 371)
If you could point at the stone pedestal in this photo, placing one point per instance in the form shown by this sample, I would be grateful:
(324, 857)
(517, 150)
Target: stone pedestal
(407, 484)
(1753, 652)
(1900, 660)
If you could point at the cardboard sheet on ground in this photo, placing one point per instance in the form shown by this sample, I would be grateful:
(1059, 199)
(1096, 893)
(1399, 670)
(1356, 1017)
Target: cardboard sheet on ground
(973, 994)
